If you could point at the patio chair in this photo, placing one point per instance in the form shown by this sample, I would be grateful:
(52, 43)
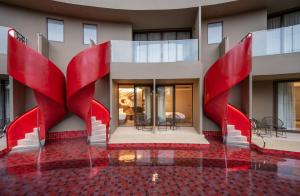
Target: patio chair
(139, 121)
(274, 124)
(162, 123)
(279, 126)
(3, 129)
(259, 127)
(254, 125)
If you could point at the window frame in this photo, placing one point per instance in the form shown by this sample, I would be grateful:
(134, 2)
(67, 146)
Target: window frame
(63, 34)
(92, 24)
(222, 32)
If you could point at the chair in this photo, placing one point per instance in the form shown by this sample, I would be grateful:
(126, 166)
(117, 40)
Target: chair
(258, 127)
(139, 121)
(162, 122)
(279, 126)
(274, 124)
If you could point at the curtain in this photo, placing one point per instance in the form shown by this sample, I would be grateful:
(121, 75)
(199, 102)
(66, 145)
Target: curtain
(291, 33)
(154, 47)
(7, 109)
(161, 103)
(2, 115)
(140, 47)
(286, 104)
(274, 35)
(169, 47)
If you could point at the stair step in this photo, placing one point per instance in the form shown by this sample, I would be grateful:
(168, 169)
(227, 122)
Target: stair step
(233, 133)
(99, 133)
(28, 142)
(32, 136)
(230, 127)
(94, 119)
(98, 137)
(25, 147)
(97, 123)
(92, 140)
(236, 138)
(238, 143)
(99, 127)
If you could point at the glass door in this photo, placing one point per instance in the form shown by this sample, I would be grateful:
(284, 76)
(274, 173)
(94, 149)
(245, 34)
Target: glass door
(143, 103)
(164, 104)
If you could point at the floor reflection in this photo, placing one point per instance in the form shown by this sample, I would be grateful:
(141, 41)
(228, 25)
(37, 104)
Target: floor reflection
(72, 166)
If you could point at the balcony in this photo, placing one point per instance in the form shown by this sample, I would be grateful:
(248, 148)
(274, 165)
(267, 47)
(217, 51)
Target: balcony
(154, 51)
(276, 41)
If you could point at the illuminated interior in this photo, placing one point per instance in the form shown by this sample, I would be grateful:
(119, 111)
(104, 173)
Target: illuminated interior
(137, 100)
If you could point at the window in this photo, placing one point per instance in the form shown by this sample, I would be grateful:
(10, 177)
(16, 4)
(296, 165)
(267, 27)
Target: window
(288, 104)
(55, 30)
(4, 102)
(89, 33)
(3, 39)
(162, 46)
(215, 33)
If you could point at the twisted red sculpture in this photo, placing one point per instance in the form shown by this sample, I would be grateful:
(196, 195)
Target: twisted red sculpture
(225, 73)
(83, 71)
(48, 83)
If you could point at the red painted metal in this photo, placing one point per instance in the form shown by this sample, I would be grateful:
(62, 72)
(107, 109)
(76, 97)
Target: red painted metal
(48, 83)
(83, 71)
(226, 72)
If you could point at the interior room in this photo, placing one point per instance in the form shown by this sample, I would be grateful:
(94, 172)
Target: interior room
(288, 104)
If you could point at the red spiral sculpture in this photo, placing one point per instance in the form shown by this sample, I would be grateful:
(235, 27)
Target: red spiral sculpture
(83, 71)
(48, 83)
(225, 73)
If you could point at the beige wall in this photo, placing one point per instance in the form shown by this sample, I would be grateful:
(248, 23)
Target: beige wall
(235, 28)
(29, 23)
(177, 70)
(276, 64)
(262, 99)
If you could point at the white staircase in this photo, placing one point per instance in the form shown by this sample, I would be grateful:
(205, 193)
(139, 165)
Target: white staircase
(235, 138)
(98, 135)
(31, 141)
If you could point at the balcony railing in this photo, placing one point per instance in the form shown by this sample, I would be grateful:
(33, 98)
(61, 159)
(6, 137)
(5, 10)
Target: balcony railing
(3, 39)
(276, 41)
(154, 51)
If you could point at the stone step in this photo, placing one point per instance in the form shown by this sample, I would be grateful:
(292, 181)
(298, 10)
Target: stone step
(96, 137)
(32, 136)
(236, 138)
(100, 133)
(27, 142)
(233, 133)
(97, 140)
(230, 127)
(96, 123)
(99, 127)
(238, 143)
(24, 147)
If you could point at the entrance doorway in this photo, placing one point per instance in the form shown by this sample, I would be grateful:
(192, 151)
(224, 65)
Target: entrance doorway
(174, 104)
(135, 101)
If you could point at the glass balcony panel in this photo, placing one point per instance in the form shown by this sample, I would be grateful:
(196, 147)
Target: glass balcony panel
(3, 39)
(276, 41)
(154, 51)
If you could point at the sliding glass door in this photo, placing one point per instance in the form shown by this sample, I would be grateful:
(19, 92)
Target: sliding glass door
(143, 103)
(164, 103)
(288, 104)
(175, 103)
(4, 102)
(135, 100)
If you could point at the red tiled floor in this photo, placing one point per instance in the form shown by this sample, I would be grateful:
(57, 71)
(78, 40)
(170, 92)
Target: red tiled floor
(72, 167)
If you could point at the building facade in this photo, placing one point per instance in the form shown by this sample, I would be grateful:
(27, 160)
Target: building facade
(160, 53)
